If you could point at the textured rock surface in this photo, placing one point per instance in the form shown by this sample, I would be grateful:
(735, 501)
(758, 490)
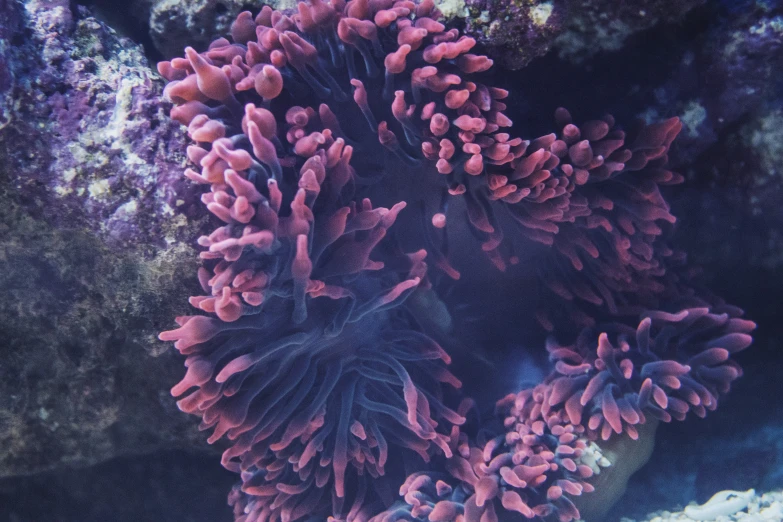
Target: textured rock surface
(727, 90)
(91, 228)
(175, 24)
(604, 25)
(729, 506)
(167, 26)
(142, 488)
(514, 32)
(725, 76)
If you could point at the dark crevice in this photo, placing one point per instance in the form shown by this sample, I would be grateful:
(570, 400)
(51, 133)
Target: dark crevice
(127, 19)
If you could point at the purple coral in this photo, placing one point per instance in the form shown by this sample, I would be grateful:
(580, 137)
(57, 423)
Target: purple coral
(310, 363)
(301, 368)
(603, 385)
(671, 364)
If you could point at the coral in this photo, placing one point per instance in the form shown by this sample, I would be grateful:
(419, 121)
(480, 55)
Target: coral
(610, 217)
(527, 470)
(545, 187)
(306, 356)
(672, 363)
(305, 279)
(599, 389)
(292, 260)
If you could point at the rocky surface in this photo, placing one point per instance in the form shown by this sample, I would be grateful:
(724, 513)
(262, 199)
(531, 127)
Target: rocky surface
(514, 33)
(139, 488)
(95, 232)
(727, 90)
(173, 24)
(165, 27)
(594, 26)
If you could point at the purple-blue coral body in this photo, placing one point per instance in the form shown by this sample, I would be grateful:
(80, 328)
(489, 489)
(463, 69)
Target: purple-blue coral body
(306, 354)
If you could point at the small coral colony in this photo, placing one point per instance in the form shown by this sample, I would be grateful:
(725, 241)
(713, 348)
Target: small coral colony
(305, 353)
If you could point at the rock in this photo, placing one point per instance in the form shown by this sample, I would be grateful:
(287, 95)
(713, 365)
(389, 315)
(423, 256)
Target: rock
(96, 227)
(514, 33)
(593, 26)
(727, 91)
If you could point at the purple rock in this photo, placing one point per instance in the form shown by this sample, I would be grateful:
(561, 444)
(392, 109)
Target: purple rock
(96, 226)
(514, 32)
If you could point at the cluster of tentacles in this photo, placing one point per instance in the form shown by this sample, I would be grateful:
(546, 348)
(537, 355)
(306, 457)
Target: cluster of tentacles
(306, 356)
(301, 367)
(603, 385)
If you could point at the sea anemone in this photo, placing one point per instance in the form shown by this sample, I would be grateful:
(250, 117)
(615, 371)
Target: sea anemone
(604, 385)
(306, 366)
(306, 356)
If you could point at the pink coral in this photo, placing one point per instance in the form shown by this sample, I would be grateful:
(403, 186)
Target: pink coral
(583, 191)
(533, 469)
(305, 356)
(611, 234)
(290, 367)
(300, 367)
(672, 363)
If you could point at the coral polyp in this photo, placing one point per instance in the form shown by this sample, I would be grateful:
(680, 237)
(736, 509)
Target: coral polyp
(343, 147)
